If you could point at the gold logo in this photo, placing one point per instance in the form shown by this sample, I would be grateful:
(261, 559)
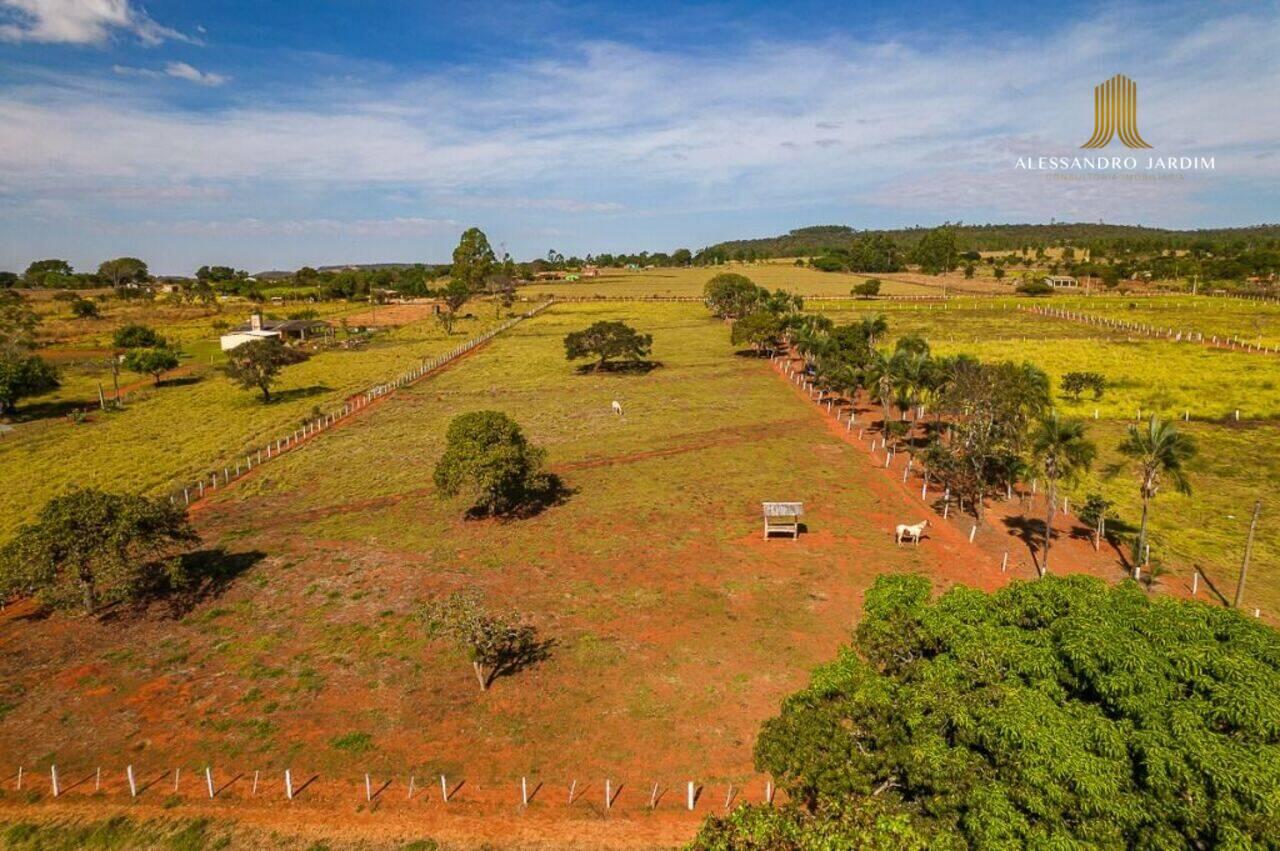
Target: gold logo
(1115, 113)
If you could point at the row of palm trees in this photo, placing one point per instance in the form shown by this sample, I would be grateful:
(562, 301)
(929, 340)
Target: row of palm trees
(846, 359)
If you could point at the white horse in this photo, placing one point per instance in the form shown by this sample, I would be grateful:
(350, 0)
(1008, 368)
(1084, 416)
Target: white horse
(912, 532)
(617, 407)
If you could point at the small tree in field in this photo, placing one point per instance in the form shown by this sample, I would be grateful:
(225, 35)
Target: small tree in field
(487, 455)
(153, 362)
(1096, 511)
(90, 547)
(868, 288)
(496, 642)
(83, 308)
(454, 296)
(605, 340)
(257, 363)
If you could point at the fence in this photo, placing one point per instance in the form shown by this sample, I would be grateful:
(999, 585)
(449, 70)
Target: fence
(1234, 344)
(253, 459)
(830, 402)
(284, 786)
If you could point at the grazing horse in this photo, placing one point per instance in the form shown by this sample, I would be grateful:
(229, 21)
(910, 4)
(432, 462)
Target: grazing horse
(617, 407)
(912, 532)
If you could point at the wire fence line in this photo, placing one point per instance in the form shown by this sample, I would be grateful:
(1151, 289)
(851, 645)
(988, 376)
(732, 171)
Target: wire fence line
(1229, 343)
(254, 458)
(286, 786)
(844, 410)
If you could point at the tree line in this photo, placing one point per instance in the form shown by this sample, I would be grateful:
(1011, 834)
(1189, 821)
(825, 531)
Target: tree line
(977, 428)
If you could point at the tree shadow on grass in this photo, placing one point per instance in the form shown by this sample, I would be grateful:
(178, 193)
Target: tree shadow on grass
(282, 396)
(524, 651)
(207, 574)
(547, 490)
(753, 354)
(180, 381)
(622, 367)
(33, 411)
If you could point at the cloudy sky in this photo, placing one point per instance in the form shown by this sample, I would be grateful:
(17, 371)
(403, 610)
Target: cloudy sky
(271, 134)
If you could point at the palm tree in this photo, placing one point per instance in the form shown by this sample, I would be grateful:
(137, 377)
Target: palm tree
(1161, 451)
(874, 327)
(1061, 451)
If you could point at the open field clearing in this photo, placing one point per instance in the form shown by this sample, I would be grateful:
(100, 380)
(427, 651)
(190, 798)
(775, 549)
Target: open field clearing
(196, 423)
(675, 628)
(689, 282)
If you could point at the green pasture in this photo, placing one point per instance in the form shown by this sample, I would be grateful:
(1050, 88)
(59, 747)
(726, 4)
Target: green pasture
(1256, 322)
(185, 428)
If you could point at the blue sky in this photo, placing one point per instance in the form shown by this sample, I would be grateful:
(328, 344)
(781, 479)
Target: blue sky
(270, 135)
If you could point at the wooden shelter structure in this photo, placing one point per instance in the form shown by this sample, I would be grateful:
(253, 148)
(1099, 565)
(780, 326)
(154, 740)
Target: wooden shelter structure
(782, 518)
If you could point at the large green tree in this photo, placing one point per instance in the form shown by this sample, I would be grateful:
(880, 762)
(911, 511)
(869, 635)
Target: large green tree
(90, 547)
(122, 270)
(487, 456)
(606, 340)
(473, 260)
(1062, 713)
(936, 252)
(732, 296)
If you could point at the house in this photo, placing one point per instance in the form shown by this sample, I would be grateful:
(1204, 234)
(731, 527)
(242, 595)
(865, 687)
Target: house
(258, 328)
(590, 271)
(1061, 282)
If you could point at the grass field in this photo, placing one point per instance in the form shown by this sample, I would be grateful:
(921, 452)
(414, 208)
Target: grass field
(185, 428)
(676, 628)
(1255, 322)
(774, 275)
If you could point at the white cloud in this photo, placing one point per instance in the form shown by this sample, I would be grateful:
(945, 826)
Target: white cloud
(183, 71)
(78, 22)
(177, 70)
(612, 127)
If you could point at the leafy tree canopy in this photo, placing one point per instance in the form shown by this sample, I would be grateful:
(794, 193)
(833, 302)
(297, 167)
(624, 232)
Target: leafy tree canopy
(473, 259)
(137, 337)
(22, 375)
(151, 361)
(1054, 714)
(732, 296)
(496, 642)
(761, 330)
(257, 363)
(90, 547)
(486, 454)
(122, 270)
(605, 340)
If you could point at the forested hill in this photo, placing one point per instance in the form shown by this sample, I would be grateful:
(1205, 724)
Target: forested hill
(824, 238)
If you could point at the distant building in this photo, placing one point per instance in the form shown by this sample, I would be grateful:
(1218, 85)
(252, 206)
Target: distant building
(258, 328)
(590, 271)
(1062, 282)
